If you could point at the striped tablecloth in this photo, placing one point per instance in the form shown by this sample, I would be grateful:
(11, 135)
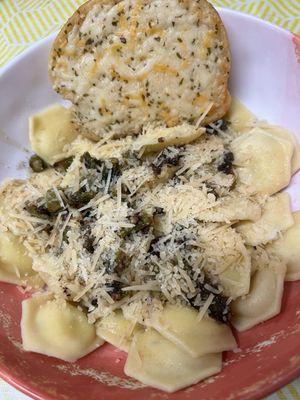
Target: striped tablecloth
(23, 22)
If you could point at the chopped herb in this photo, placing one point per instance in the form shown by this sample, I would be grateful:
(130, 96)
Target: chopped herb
(65, 237)
(142, 222)
(166, 157)
(226, 164)
(53, 204)
(158, 211)
(88, 243)
(219, 309)
(80, 198)
(89, 161)
(114, 289)
(37, 211)
(221, 124)
(153, 247)
(63, 165)
(94, 302)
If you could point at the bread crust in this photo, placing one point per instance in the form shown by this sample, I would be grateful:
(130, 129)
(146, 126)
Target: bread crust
(219, 96)
(75, 20)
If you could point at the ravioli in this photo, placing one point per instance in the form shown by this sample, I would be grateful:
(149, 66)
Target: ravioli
(15, 263)
(287, 247)
(263, 161)
(278, 131)
(117, 330)
(276, 218)
(56, 329)
(181, 325)
(263, 301)
(157, 362)
(49, 132)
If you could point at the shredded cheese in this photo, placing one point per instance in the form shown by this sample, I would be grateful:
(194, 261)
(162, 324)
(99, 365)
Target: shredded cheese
(137, 229)
(205, 307)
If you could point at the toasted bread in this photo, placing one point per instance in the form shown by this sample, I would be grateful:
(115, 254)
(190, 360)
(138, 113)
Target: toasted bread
(127, 64)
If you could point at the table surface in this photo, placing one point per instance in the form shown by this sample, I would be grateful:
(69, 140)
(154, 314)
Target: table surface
(23, 22)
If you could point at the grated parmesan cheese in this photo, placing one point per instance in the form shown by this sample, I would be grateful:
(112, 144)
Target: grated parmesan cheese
(205, 307)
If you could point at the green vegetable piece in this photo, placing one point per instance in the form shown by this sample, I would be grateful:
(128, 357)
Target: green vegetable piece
(89, 161)
(37, 164)
(80, 198)
(63, 165)
(65, 235)
(142, 222)
(53, 204)
(37, 211)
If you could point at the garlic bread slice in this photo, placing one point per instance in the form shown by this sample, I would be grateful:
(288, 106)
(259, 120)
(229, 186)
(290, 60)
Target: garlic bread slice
(124, 64)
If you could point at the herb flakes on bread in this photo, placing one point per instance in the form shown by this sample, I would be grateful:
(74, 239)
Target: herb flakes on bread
(127, 64)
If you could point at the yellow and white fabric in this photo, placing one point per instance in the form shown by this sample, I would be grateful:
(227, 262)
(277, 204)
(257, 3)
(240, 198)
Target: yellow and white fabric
(23, 22)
